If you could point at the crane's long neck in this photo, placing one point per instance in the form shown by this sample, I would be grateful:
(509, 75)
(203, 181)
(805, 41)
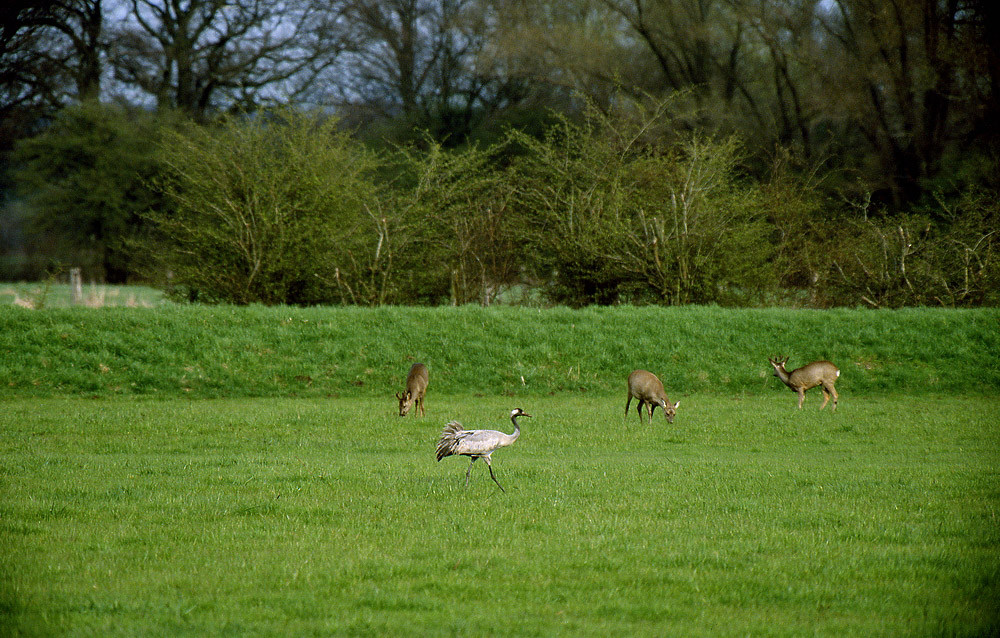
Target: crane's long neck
(517, 431)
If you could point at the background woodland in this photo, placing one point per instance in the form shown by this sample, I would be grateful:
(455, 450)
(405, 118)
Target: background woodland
(738, 152)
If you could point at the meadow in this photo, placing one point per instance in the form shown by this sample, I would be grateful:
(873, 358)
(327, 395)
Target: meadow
(331, 517)
(167, 472)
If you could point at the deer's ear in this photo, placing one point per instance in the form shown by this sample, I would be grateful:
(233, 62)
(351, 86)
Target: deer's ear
(397, 396)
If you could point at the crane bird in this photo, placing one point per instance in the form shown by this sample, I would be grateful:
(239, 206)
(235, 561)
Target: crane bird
(477, 444)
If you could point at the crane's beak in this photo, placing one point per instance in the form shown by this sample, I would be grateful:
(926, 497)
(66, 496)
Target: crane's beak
(524, 414)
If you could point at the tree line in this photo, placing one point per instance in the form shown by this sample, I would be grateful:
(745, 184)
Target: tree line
(287, 207)
(589, 151)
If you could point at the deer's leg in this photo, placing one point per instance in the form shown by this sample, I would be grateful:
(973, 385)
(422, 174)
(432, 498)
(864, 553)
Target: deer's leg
(638, 409)
(826, 397)
(423, 412)
(833, 391)
(802, 396)
(628, 403)
(492, 476)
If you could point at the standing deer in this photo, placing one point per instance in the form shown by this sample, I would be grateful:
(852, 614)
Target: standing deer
(647, 388)
(416, 388)
(817, 373)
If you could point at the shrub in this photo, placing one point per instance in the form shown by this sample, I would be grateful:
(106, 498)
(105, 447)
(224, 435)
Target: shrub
(614, 217)
(949, 258)
(264, 210)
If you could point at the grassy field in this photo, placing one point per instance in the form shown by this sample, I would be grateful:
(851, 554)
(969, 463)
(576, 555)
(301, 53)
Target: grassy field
(188, 470)
(319, 517)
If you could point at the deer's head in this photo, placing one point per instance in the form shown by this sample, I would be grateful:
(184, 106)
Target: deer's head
(669, 409)
(405, 402)
(778, 363)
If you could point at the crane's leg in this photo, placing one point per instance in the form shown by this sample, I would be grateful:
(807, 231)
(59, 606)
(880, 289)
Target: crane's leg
(469, 470)
(490, 465)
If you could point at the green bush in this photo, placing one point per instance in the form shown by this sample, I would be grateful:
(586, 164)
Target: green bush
(451, 233)
(614, 217)
(267, 209)
(949, 259)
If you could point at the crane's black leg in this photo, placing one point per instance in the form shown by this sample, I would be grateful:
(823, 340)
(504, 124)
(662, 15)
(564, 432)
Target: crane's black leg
(469, 470)
(492, 476)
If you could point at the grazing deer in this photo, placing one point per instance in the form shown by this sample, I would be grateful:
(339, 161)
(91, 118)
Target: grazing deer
(416, 388)
(817, 373)
(647, 388)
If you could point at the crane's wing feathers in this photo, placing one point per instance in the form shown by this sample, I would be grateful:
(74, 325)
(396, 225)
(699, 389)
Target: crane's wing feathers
(457, 440)
(449, 437)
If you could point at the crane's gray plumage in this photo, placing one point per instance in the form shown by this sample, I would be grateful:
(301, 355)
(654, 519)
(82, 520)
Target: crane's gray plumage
(477, 444)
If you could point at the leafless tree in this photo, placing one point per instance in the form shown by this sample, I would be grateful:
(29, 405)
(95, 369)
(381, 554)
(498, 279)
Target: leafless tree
(425, 62)
(50, 52)
(198, 55)
(914, 78)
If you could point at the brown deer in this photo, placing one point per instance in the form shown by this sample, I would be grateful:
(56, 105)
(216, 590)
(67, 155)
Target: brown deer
(416, 388)
(647, 388)
(817, 373)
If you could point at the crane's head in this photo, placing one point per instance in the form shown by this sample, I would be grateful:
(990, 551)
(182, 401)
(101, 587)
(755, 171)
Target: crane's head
(516, 412)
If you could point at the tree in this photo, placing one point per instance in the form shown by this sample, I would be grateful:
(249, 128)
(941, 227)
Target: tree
(85, 180)
(913, 77)
(425, 66)
(202, 55)
(262, 210)
(50, 52)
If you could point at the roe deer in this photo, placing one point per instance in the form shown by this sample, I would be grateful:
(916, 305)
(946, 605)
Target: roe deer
(817, 373)
(416, 388)
(647, 388)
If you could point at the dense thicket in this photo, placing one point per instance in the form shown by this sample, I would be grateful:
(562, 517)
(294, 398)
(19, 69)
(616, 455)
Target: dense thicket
(287, 210)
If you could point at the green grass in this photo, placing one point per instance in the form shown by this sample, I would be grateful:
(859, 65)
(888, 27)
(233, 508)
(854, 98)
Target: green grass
(323, 517)
(229, 351)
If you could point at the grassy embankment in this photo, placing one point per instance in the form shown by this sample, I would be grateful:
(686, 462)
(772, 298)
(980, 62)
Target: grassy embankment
(143, 513)
(321, 352)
